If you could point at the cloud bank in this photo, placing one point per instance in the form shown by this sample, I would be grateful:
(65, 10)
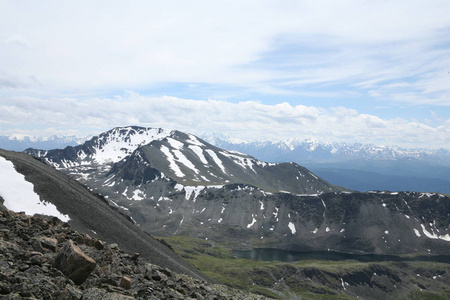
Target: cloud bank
(279, 70)
(247, 120)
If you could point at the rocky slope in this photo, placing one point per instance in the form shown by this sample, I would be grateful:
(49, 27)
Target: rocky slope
(243, 216)
(91, 214)
(43, 258)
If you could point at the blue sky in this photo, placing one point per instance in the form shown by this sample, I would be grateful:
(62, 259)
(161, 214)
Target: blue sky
(352, 71)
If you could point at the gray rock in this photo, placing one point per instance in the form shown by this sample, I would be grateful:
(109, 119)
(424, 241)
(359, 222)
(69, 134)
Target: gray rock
(97, 294)
(41, 243)
(74, 263)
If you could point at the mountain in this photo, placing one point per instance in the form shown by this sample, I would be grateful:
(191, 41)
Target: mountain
(149, 154)
(173, 183)
(361, 167)
(54, 142)
(87, 212)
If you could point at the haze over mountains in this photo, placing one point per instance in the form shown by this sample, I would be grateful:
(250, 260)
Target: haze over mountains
(173, 183)
(14, 143)
(357, 166)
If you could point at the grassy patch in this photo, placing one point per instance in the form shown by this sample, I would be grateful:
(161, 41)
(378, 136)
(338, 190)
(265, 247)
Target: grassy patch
(308, 279)
(259, 277)
(422, 295)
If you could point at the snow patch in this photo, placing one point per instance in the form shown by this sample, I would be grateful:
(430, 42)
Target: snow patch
(216, 160)
(199, 152)
(138, 195)
(292, 227)
(117, 145)
(19, 194)
(193, 190)
(434, 235)
(253, 222)
(313, 175)
(194, 141)
(261, 205)
(172, 163)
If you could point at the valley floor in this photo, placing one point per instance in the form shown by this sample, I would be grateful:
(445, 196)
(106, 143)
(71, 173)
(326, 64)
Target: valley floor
(316, 279)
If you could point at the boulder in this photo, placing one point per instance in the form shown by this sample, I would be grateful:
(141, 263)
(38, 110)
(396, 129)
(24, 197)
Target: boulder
(125, 282)
(74, 263)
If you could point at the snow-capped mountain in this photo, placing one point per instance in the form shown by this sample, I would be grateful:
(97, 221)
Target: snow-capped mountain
(176, 183)
(361, 167)
(106, 148)
(182, 157)
(13, 143)
(311, 150)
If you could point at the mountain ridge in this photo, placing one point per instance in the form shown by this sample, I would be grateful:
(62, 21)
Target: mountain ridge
(182, 157)
(161, 186)
(311, 150)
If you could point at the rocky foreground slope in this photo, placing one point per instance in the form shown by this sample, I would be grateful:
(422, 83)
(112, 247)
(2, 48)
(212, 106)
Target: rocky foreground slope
(91, 214)
(43, 258)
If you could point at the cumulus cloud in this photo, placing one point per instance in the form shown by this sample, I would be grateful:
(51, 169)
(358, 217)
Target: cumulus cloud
(247, 120)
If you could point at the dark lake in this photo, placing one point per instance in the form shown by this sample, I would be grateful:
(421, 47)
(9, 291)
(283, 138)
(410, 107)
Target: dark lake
(270, 254)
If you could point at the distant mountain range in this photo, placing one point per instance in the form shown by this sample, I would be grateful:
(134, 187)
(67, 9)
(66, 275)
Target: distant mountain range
(174, 183)
(360, 167)
(53, 142)
(310, 150)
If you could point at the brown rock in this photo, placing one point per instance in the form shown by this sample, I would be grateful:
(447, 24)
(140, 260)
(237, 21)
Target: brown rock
(125, 282)
(74, 263)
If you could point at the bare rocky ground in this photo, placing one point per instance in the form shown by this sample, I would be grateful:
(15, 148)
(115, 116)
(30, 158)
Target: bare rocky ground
(43, 258)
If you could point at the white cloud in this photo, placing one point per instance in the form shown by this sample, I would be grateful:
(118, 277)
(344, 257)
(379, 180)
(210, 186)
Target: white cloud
(245, 120)
(266, 47)
(60, 59)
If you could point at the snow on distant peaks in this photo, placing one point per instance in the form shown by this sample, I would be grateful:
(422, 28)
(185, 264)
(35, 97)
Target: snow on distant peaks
(19, 194)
